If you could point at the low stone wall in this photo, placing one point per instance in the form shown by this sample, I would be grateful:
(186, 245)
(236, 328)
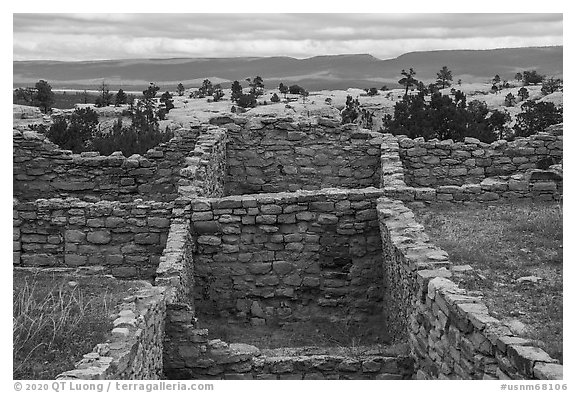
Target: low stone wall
(450, 331)
(436, 163)
(205, 169)
(280, 154)
(42, 170)
(125, 239)
(286, 256)
(176, 268)
(134, 349)
(201, 358)
(535, 184)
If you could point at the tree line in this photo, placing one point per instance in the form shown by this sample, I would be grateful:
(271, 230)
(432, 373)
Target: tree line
(80, 130)
(430, 114)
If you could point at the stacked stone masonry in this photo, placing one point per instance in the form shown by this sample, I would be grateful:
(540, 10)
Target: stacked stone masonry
(43, 170)
(436, 163)
(135, 347)
(197, 357)
(279, 154)
(450, 331)
(534, 184)
(205, 167)
(345, 253)
(125, 239)
(286, 256)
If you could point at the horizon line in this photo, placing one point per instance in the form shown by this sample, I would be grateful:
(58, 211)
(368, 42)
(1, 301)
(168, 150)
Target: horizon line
(283, 56)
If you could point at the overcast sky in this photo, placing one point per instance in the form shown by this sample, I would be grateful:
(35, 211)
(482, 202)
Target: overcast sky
(125, 36)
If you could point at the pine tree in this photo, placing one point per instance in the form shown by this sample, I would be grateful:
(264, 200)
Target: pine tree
(121, 98)
(283, 89)
(443, 77)
(236, 91)
(408, 80)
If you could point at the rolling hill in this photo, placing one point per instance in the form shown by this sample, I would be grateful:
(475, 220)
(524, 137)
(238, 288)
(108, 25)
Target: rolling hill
(319, 72)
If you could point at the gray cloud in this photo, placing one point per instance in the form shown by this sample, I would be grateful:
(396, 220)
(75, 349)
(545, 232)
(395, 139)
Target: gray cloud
(111, 36)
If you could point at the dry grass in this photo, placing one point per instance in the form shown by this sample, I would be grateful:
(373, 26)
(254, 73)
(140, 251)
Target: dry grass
(504, 242)
(57, 319)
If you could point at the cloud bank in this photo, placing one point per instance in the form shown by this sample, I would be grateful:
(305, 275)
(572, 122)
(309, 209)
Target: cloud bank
(125, 36)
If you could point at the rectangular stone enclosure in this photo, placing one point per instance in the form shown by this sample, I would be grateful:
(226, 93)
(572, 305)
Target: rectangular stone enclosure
(285, 257)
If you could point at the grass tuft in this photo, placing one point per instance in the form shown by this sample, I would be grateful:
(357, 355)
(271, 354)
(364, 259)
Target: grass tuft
(57, 319)
(504, 242)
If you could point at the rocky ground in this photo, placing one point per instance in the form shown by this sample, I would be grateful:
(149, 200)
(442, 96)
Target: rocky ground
(326, 103)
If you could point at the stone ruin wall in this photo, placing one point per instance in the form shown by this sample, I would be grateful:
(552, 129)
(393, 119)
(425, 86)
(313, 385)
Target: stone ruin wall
(531, 184)
(135, 346)
(275, 258)
(448, 330)
(445, 163)
(122, 239)
(201, 358)
(42, 170)
(279, 154)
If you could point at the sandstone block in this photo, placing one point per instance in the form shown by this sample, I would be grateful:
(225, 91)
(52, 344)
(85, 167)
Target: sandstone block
(548, 371)
(75, 259)
(327, 219)
(524, 357)
(95, 222)
(159, 222)
(202, 227)
(260, 268)
(147, 238)
(266, 219)
(544, 186)
(311, 282)
(74, 236)
(209, 240)
(114, 222)
(38, 259)
(322, 206)
(305, 216)
(282, 267)
(99, 237)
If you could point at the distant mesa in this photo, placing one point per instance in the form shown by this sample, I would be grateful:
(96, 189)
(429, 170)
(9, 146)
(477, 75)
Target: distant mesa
(319, 72)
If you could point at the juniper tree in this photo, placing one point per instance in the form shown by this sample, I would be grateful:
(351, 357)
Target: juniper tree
(43, 97)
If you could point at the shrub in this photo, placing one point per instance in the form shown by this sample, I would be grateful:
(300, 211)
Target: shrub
(509, 100)
(551, 85)
(372, 92)
(523, 93)
(76, 132)
(218, 93)
(445, 118)
(532, 77)
(352, 110)
(247, 101)
(275, 98)
(536, 116)
(142, 135)
(295, 89)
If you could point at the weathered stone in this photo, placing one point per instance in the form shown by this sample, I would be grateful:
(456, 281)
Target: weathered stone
(548, 371)
(99, 237)
(147, 238)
